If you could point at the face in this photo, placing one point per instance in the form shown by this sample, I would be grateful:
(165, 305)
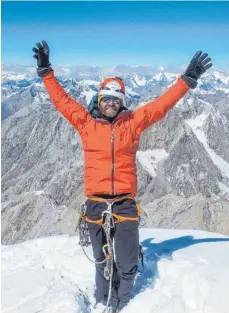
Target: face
(109, 106)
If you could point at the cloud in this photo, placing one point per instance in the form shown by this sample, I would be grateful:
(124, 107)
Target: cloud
(31, 70)
(83, 71)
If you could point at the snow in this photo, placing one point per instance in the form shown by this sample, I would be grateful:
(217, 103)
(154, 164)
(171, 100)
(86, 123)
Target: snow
(222, 76)
(14, 76)
(164, 75)
(224, 190)
(158, 76)
(150, 158)
(171, 77)
(87, 91)
(186, 271)
(130, 92)
(223, 89)
(190, 101)
(38, 192)
(41, 97)
(196, 124)
(140, 81)
(88, 82)
(88, 94)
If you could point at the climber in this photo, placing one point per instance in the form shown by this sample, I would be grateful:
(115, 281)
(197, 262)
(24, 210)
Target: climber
(110, 134)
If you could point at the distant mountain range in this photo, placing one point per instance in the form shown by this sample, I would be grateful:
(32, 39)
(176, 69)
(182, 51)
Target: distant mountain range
(183, 161)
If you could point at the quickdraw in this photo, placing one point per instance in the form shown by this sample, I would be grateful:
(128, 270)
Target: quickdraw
(84, 236)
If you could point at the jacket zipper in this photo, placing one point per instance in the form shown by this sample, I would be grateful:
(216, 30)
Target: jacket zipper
(112, 158)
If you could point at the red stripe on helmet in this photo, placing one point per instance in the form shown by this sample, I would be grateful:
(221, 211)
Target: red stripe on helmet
(107, 80)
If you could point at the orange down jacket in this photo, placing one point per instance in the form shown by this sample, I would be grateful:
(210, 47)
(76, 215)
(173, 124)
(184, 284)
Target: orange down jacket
(110, 148)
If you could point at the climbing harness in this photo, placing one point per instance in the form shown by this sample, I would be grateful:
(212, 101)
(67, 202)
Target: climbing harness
(107, 222)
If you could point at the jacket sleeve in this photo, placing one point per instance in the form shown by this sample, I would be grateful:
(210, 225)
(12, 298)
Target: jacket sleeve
(154, 111)
(72, 110)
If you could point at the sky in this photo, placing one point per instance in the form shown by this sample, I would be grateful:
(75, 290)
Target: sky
(110, 33)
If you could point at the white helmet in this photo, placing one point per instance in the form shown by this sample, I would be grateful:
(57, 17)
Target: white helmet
(112, 87)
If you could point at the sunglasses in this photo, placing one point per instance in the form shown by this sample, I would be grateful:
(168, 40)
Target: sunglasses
(108, 99)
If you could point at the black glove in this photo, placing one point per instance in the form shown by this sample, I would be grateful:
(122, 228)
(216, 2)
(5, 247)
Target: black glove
(42, 57)
(198, 65)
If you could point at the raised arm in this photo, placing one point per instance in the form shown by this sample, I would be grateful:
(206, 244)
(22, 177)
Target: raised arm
(154, 111)
(72, 110)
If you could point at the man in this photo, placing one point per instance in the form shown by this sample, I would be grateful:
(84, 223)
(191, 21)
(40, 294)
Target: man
(110, 137)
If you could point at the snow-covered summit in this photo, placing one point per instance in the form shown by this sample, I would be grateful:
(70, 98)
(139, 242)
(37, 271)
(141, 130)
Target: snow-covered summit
(10, 76)
(185, 272)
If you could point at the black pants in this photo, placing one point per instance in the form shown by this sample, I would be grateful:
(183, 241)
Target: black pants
(126, 248)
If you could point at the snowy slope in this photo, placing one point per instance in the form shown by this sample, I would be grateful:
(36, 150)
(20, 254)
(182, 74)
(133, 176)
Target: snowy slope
(185, 272)
(150, 158)
(196, 124)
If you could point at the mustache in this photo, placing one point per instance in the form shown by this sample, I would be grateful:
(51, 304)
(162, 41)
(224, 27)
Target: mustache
(111, 107)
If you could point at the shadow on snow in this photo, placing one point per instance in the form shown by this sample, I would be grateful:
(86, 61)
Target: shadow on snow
(154, 252)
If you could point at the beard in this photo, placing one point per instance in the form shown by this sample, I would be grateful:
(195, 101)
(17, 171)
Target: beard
(110, 111)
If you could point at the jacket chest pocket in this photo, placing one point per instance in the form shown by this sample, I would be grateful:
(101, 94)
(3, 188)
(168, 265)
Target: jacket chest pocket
(98, 137)
(124, 137)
